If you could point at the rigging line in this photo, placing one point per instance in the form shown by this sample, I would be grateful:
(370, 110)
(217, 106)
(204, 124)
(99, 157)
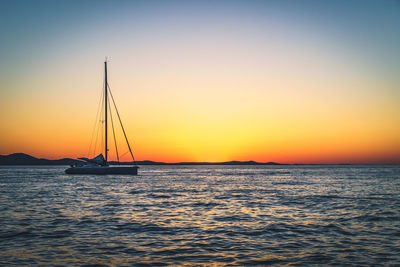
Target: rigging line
(99, 120)
(112, 124)
(123, 130)
(95, 123)
(99, 128)
(102, 126)
(95, 145)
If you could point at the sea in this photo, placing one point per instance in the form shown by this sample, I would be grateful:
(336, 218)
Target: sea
(283, 215)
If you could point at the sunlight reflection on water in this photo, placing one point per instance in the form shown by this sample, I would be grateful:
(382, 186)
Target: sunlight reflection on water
(244, 215)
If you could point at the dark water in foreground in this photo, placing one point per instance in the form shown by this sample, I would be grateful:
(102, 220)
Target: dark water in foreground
(244, 215)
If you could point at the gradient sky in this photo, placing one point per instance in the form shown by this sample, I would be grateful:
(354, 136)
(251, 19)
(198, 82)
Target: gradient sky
(286, 81)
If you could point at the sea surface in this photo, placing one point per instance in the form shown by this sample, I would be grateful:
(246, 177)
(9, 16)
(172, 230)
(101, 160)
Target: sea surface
(199, 215)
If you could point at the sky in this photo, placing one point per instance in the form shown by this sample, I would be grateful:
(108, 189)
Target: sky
(285, 81)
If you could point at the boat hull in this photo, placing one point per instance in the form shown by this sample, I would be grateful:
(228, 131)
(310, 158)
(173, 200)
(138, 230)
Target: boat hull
(132, 170)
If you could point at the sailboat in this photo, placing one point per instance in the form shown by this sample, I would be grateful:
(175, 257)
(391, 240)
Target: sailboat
(100, 164)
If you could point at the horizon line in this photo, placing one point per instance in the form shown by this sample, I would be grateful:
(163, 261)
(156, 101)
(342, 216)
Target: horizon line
(217, 162)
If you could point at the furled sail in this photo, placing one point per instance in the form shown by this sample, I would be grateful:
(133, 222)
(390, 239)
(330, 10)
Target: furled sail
(97, 160)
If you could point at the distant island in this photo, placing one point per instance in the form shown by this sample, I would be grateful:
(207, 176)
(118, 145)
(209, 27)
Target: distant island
(25, 159)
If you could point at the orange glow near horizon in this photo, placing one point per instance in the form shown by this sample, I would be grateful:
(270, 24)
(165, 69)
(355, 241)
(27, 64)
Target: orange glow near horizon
(181, 134)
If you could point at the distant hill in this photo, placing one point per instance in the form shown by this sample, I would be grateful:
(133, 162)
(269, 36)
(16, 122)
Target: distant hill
(24, 159)
(206, 163)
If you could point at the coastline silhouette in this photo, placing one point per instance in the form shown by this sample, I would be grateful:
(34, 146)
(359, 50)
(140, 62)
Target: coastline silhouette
(25, 159)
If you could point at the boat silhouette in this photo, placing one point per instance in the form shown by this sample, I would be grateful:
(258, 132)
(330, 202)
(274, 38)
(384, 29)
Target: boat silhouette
(99, 164)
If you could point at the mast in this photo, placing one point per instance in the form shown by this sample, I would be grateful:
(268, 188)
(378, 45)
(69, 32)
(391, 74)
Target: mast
(105, 107)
